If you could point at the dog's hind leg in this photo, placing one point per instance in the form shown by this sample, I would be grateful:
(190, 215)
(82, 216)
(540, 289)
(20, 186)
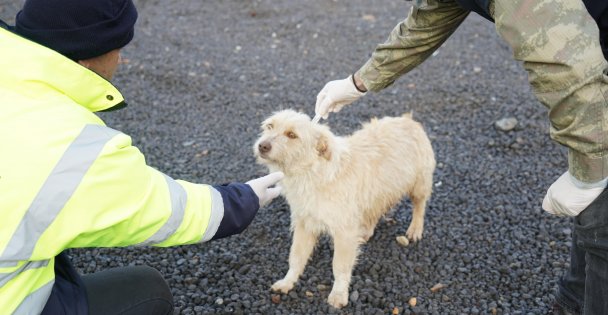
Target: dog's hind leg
(303, 244)
(414, 231)
(346, 246)
(419, 196)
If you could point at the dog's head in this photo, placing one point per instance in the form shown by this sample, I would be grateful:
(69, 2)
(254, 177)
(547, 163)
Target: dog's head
(290, 141)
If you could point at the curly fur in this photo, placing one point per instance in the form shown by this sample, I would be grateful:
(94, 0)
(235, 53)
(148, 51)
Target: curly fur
(343, 185)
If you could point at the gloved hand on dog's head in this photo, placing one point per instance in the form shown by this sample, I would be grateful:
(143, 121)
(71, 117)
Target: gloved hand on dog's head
(568, 196)
(262, 187)
(335, 95)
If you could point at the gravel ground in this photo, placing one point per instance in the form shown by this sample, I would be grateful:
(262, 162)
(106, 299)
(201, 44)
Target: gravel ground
(202, 75)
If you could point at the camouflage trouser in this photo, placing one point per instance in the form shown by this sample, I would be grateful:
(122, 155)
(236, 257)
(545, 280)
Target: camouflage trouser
(558, 42)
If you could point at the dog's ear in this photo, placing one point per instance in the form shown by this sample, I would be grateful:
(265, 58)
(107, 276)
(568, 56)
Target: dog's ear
(323, 147)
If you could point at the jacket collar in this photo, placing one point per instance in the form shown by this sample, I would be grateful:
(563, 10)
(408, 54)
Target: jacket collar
(25, 64)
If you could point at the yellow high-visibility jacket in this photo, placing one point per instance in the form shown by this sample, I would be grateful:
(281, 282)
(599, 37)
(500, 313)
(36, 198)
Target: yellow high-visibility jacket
(68, 181)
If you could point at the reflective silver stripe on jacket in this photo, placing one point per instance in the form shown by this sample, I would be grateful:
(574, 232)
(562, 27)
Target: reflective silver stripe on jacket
(217, 214)
(56, 191)
(35, 302)
(6, 277)
(179, 198)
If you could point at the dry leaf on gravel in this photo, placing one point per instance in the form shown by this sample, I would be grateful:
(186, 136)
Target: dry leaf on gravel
(437, 287)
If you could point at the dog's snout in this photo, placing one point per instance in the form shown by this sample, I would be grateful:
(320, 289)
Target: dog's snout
(264, 147)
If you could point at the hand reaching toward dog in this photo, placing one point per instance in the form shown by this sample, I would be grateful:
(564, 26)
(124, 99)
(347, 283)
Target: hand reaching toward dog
(568, 196)
(262, 187)
(335, 95)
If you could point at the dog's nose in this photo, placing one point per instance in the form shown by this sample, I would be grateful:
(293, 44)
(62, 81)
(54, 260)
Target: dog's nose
(264, 147)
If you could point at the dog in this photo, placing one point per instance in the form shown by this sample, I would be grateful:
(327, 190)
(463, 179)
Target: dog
(342, 186)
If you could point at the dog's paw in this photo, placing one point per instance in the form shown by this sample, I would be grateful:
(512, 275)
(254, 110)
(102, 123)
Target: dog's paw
(338, 299)
(282, 286)
(414, 233)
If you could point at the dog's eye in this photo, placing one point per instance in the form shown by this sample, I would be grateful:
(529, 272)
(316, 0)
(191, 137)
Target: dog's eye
(291, 135)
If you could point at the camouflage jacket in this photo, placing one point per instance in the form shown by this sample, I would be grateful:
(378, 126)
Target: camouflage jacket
(560, 51)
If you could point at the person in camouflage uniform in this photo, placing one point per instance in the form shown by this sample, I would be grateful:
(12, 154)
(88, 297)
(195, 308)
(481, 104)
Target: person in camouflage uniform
(561, 45)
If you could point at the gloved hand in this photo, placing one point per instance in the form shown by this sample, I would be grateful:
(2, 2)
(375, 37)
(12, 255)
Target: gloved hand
(568, 196)
(335, 95)
(262, 187)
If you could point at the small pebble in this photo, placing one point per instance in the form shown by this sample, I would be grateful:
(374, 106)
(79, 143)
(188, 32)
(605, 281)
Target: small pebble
(506, 124)
(412, 302)
(403, 241)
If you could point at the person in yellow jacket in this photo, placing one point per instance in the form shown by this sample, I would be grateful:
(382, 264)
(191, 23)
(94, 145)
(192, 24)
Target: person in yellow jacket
(69, 181)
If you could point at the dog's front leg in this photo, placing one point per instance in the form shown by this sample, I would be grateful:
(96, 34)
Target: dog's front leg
(303, 244)
(345, 254)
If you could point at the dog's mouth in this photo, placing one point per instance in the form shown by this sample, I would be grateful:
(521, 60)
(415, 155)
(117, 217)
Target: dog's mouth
(263, 155)
(264, 158)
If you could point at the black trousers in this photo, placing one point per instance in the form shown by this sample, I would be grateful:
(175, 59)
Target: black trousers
(128, 290)
(584, 287)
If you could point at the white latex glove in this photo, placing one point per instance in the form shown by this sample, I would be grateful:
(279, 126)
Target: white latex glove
(262, 187)
(568, 196)
(335, 95)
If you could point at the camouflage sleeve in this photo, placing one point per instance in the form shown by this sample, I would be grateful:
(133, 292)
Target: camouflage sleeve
(558, 42)
(428, 25)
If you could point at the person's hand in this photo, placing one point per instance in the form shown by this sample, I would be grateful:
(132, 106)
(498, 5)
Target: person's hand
(335, 95)
(262, 187)
(568, 196)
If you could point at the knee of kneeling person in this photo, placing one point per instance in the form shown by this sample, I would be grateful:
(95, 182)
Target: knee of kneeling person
(153, 280)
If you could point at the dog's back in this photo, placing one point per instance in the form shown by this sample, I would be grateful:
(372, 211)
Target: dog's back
(380, 133)
(394, 155)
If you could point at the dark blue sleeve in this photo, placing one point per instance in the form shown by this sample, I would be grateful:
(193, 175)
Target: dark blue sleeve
(69, 295)
(240, 207)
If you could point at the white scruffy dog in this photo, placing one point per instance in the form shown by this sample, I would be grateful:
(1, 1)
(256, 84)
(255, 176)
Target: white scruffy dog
(343, 185)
